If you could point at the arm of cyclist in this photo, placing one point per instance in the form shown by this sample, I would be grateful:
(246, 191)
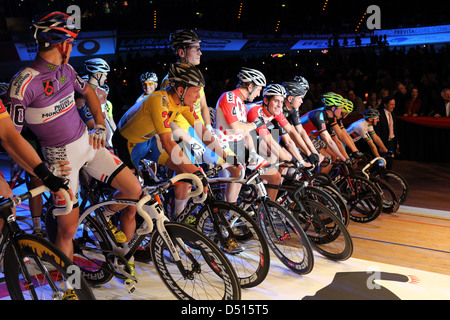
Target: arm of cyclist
(25, 155)
(326, 137)
(314, 153)
(97, 136)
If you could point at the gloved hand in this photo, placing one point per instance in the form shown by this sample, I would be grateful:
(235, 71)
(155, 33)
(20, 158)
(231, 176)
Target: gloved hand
(97, 136)
(196, 147)
(259, 122)
(51, 181)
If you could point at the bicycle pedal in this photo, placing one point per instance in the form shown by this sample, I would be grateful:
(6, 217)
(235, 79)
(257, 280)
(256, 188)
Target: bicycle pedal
(130, 285)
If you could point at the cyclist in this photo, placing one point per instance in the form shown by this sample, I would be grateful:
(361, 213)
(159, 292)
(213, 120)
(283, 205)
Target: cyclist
(25, 156)
(295, 92)
(270, 110)
(98, 70)
(44, 93)
(346, 139)
(364, 135)
(186, 46)
(149, 83)
(231, 125)
(319, 122)
(145, 129)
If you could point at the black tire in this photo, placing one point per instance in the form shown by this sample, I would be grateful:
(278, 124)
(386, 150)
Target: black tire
(341, 203)
(210, 274)
(398, 183)
(326, 232)
(90, 246)
(58, 267)
(286, 237)
(390, 199)
(363, 198)
(250, 254)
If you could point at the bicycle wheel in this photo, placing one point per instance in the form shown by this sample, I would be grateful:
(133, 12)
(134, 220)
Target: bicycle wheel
(398, 183)
(286, 237)
(204, 273)
(326, 232)
(49, 269)
(390, 199)
(91, 247)
(340, 201)
(364, 201)
(246, 247)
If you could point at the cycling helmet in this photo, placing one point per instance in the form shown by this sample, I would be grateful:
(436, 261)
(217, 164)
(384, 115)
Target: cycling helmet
(3, 88)
(274, 90)
(96, 65)
(294, 88)
(252, 75)
(348, 106)
(303, 82)
(149, 76)
(331, 99)
(371, 114)
(182, 38)
(186, 74)
(53, 28)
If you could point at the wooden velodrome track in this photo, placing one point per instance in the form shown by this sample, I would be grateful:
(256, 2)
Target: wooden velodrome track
(414, 237)
(412, 243)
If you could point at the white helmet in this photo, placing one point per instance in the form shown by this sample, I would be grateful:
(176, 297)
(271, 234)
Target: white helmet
(149, 76)
(96, 65)
(274, 90)
(252, 75)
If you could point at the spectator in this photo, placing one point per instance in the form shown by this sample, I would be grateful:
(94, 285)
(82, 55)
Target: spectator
(413, 104)
(358, 104)
(387, 128)
(401, 96)
(443, 108)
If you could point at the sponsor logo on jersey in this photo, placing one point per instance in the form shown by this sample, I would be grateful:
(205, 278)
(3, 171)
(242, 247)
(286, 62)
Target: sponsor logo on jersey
(21, 82)
(42, 115)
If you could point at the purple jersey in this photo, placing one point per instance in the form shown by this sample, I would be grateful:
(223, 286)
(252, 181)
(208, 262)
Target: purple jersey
(42, 96)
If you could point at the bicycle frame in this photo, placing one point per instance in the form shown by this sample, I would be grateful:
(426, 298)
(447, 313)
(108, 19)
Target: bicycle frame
(13, 230)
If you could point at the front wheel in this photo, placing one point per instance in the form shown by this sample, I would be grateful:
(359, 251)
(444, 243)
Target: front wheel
(204, 273)
(47, 272)
(240, 238)
(326, 232)
(363, 198)
(285, 237)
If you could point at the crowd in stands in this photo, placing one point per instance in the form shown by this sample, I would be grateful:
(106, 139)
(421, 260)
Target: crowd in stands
(415, 76)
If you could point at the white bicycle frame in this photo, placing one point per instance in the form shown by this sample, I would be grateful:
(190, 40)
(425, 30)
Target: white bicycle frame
(367, 166)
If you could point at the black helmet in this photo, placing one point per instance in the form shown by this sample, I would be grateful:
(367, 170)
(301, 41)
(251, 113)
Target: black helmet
(371, 114)
(181, 38)
(294, 88)
(185, 74)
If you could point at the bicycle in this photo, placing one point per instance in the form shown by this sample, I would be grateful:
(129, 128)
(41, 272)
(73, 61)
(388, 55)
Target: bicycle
(395, 180)
(391, 202)
(283, 233)
(319, 187)
(362, 196)
(232, 229)
(190, 265)
(34, 268)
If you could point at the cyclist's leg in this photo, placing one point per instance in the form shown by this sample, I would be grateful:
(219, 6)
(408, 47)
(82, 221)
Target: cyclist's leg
(5, 192)
(108, 168)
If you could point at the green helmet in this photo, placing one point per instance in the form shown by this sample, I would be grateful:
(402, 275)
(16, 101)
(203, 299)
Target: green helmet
(348, 106)
(331, 99)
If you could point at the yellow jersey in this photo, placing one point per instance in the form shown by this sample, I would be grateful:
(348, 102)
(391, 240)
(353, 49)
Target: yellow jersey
(152, 116)
(181, 120)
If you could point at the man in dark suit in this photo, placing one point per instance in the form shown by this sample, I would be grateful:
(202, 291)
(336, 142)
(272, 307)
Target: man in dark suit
(443, 107)
(387, 128)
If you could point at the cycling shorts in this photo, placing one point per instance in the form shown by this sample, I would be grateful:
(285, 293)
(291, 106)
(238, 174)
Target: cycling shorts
(132, 153)
(100, 164)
